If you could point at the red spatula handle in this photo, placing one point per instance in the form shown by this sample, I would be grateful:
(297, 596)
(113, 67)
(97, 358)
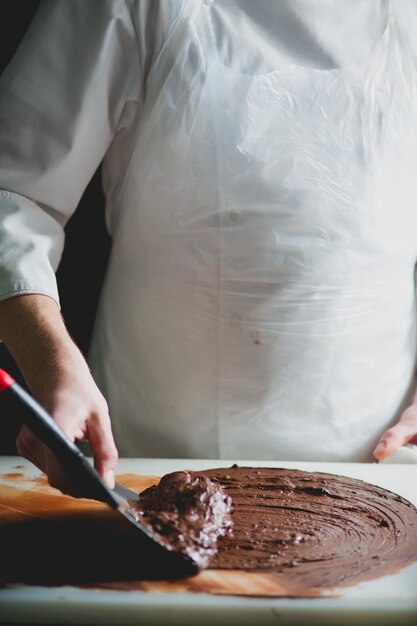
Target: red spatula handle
(5, 380)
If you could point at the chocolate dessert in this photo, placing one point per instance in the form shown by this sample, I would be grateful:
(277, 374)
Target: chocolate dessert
(189, 512)
(317, 530)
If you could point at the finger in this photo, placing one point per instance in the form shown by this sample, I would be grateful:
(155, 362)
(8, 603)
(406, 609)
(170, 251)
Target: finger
(103, 447)
(393, 438)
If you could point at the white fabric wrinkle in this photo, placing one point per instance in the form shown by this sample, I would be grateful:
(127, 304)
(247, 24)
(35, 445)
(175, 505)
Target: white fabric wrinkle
(261, 199)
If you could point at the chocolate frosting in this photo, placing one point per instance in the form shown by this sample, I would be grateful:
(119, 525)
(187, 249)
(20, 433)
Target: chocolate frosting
(318, 530)
(189, 512)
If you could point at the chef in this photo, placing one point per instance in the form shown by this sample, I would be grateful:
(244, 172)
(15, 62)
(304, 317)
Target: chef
(260, 174)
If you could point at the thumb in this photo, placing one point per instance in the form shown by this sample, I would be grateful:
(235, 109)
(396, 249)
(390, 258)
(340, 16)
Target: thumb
(104, 449)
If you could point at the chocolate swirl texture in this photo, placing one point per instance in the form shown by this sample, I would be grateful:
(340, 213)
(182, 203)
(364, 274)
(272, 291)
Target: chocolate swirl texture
(318, 530)
(314, 530)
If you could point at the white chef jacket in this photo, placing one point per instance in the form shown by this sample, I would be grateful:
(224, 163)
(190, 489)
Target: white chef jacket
(260, 174)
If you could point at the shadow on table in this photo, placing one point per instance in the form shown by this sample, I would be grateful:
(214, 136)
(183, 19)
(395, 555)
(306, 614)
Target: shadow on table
(76, 550)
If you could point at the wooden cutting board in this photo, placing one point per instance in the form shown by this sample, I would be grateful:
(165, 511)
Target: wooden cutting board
(48, 539)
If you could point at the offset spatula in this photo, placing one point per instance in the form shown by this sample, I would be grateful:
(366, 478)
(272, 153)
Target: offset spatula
(82, 474)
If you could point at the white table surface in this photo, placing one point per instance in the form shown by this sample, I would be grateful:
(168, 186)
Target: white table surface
(387, 600)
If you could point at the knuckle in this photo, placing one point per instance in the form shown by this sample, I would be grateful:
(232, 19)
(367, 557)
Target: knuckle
(98, 413)
(391, 433)
(397, 435)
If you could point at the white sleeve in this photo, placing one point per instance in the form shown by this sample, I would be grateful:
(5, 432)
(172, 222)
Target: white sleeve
(61, 99)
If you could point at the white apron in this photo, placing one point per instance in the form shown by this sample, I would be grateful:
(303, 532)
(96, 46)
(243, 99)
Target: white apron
(259, 301)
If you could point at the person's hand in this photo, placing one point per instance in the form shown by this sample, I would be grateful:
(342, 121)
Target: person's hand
(58, 377)
(69, 394)
(404, 431)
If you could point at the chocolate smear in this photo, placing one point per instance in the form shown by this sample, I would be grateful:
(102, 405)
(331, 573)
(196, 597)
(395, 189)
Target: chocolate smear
(189, 512)
(319, 530)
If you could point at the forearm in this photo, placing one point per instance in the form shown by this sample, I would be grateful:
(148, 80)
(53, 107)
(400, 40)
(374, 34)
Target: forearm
(34, 332)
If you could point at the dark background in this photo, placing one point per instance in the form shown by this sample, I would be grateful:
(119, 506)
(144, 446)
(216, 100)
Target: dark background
(87, 244)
